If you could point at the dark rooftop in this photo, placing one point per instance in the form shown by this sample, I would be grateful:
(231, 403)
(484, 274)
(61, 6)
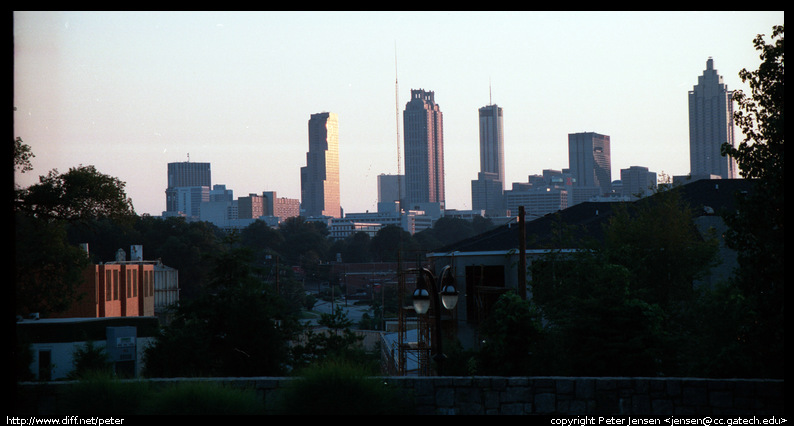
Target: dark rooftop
(586, 220)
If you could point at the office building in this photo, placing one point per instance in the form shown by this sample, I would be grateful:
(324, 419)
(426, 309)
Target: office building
(710, 125)
(185, 175)
(320, 195)
(637, 182)
(487, 192)
(492, 149)
(250, 207)
(186, 200)
(281, 207)
(589, 161)
(423, 128)
(487, 195)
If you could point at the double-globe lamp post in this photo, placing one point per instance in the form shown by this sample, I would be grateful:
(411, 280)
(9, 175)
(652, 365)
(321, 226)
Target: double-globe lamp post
(426, 293)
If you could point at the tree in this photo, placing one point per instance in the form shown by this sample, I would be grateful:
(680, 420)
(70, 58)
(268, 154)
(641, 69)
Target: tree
(622, 305)
(337, 342)
(22, 156)
(656, 240)
(48, 269)
(756, 229)
(236, 327)
(391, 240)
(512, 338)
(78, 195)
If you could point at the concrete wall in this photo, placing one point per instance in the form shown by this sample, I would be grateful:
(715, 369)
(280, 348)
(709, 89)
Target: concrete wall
(552, 396)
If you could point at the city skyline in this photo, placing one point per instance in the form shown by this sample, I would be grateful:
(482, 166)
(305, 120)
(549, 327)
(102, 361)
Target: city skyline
(234, 90)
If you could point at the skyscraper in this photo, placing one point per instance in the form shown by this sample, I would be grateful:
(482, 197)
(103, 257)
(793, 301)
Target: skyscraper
(710, 125)
(487, 192)
(423, 125)
(492, 147)
(185, 175)
(589, 160)
(320, 176)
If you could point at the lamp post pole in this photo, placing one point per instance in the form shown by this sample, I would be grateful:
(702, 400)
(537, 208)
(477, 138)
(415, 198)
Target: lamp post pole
(427, 292)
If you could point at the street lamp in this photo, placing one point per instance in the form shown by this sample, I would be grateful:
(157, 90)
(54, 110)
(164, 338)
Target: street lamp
(426, 293)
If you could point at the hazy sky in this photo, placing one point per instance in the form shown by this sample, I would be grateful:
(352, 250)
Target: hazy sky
(129, 92)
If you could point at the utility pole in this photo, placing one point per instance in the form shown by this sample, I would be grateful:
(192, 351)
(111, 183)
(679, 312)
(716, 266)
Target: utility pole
(522, 255)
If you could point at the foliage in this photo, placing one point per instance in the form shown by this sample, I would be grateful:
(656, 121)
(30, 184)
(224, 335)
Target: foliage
(511, 336)
(103, 395)
(390, 241)
(48, 271)
(79, 194)
(337, 342)
(657, 242)
(201, 398)
(341, 388)
(623, 306)
(756, 229)
(90, 359)
(596, 325)
(22, 156)
(236, 327)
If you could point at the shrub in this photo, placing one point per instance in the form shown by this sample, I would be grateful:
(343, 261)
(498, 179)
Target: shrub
(203, 398)
(340, 388)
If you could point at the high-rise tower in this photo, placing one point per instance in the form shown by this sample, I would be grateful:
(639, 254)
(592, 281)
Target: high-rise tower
(492, 147)
(320, 176)
(710, 125)
(589, 160)
(423, 126)
(487, 192)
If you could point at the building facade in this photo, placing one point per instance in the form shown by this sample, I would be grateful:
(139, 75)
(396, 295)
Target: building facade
(281, 207)
(492, 147)
(185, 175)
(423, 127)
(320, 194)
(710, 125)
(637, 182)
(487, 192)
(590, 161)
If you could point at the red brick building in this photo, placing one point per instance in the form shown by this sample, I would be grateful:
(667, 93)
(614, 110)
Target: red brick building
(120, 289)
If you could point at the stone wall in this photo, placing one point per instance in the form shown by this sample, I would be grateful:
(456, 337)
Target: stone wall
(555, 396)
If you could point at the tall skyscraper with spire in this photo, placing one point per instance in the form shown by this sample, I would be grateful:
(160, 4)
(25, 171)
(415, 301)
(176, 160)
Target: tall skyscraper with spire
(487, 192)
(423, 125)
(492, 145)
(710, 125)
(320, 177)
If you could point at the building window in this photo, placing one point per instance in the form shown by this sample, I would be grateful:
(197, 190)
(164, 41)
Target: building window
(108, 286)
(115, 285)
(45, 365)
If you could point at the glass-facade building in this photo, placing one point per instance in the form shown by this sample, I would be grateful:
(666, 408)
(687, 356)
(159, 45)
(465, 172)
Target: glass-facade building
(423, 125)
(710, 125)
(186, 175)
(589, 160)
(320, 194)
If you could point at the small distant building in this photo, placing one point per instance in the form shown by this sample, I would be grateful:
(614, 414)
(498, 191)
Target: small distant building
(125, 288)
(53, 343)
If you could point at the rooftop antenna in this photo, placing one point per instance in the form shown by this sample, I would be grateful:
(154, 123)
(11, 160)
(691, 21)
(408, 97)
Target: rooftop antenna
(490, 97)
(188, 157)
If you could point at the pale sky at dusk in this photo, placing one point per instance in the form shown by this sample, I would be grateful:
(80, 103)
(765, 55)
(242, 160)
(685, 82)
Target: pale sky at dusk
(129, 92)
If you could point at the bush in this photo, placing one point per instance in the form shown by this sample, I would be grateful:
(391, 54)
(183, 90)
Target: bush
(103, 395)
(197, 398)
(340, 388)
